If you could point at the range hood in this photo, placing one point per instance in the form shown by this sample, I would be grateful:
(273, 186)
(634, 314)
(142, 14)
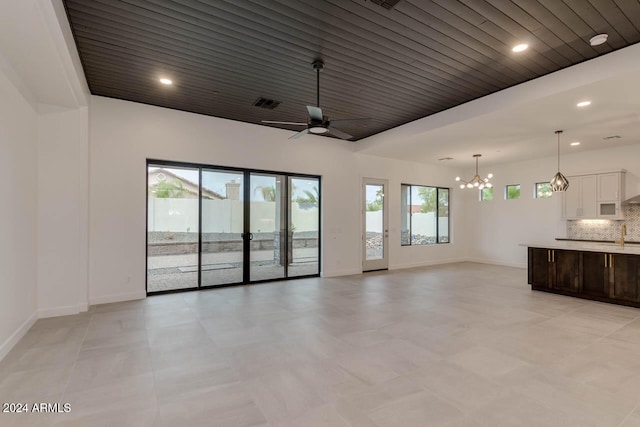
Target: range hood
(632, 201)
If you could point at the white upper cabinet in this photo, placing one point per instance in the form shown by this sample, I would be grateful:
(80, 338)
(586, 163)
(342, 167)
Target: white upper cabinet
(594, 196)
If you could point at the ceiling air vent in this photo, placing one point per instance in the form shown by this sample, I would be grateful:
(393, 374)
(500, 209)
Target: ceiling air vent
(606, 138)
(387, 4)
(269, 104)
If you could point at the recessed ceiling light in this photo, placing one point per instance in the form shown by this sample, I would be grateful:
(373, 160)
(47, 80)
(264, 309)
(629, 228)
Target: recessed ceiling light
(598, 39)
(575, 143)
(520, 47)
(446, 158)
(583, 103)
(165, 81)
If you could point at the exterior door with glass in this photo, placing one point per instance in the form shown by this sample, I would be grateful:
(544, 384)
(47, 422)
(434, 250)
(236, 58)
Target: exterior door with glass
(375, 233)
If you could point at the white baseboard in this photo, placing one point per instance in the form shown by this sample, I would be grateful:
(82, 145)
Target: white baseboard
(497, 262)
(106, 299)
(10, 342)
(62, 311)
(426, 263)
(341, 273)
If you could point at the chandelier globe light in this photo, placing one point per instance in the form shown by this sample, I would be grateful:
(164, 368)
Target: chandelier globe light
(476, 181)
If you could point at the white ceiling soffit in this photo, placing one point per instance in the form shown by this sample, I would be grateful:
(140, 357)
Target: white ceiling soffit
(34, 44)
(519, 123)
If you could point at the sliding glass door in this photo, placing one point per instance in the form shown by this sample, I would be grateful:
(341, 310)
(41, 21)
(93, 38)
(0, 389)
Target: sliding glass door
(216, 226)
(268, 232)
(173, 195)
(304, 226)
(222, 227)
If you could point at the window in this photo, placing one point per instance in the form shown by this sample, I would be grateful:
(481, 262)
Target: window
(543, 190)
(486, 194)
(425, 215)
(512, 192)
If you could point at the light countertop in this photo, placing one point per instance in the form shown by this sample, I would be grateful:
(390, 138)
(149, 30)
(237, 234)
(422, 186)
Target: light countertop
(613, 248)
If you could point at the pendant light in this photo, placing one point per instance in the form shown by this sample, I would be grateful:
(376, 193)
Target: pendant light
(559, 182)
(476, 181)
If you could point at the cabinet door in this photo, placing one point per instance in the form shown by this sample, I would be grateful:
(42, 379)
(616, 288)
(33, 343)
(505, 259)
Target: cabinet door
(625, 277)
(589, 197)
(595, 277)
(571, 198)
(566, 267)
(539, 267)
(609, 187)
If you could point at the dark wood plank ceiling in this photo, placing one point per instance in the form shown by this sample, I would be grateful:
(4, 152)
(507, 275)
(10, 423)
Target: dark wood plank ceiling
(395, 66)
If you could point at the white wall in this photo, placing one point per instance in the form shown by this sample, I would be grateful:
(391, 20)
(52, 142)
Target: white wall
(497, 227)
(399, 172)
(124, 134)
(63, 160)
(18, 261)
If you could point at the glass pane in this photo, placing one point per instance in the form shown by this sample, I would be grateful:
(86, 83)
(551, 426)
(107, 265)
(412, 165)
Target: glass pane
(607, 208)
(405, 215)
(443, 215)
(513, 191)
(222, 225)
(423, 220)
(543, 190)
(486, 194)
(374, 223)
(304, 226)
(267, 250)
(172, 228)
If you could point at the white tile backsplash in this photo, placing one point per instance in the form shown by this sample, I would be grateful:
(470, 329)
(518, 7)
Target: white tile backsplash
(607, 229)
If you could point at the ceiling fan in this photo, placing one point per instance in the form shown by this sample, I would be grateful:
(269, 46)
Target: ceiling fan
(318, 123)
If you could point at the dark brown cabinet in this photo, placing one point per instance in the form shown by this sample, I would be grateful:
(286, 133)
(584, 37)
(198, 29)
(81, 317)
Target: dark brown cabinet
(539, 260)
(554, 269)
(593, 275)
(624, 277)
(566, 270)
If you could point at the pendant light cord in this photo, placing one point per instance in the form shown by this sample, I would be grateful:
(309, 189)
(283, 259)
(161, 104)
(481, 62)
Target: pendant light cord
(558, 132)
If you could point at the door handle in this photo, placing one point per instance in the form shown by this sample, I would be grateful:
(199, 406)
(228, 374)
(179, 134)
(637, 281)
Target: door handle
(250, 236)
(548, 255)
(553, 256)
(605, 261)
(610, 260)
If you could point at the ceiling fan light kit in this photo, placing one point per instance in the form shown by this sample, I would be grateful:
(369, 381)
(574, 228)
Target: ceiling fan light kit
(318, 123)
(476, 181)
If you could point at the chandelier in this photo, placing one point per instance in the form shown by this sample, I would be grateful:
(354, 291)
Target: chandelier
(476, 181)
(559, 182)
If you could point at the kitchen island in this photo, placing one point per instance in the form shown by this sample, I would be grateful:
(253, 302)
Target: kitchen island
(596, 271)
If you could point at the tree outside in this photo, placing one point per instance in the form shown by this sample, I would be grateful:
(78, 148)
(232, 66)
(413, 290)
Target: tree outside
(376, 204)
(169, 190)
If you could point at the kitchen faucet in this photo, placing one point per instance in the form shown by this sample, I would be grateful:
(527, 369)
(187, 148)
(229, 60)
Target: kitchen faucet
(623, 232)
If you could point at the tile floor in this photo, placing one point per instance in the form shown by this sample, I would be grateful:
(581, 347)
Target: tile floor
(455, 345)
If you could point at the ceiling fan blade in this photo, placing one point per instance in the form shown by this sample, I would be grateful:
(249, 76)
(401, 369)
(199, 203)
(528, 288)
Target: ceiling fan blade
(299, 134)
(349, 121)
(315, 113)
(283, 123)
(339, 133)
